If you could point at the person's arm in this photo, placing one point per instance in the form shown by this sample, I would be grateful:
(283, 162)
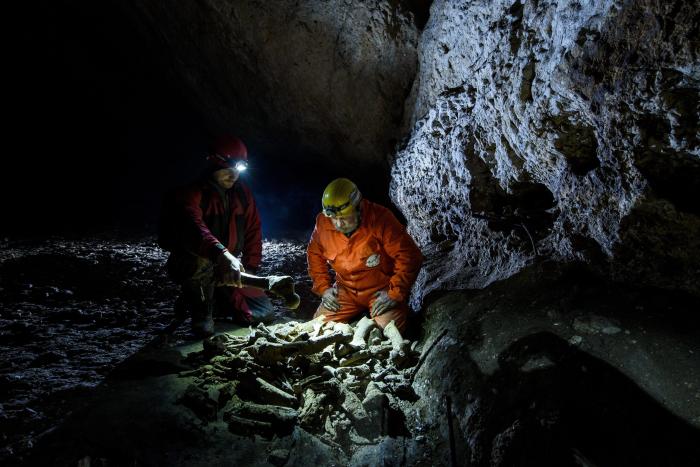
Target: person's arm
(406, 255)
(252, 243)
(198, 239)
(318, 267)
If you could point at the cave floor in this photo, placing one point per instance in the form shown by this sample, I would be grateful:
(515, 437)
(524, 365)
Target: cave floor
(553, 357)
(73, 310)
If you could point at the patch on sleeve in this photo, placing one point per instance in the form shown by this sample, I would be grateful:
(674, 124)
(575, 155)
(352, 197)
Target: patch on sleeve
(373, 261)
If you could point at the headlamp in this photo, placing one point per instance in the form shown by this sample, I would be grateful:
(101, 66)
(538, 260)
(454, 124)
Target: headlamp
(332, 211)
(241, 166)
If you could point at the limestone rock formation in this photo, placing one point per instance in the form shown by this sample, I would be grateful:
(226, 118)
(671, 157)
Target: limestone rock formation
(326, 78)
(554, 367)
(567, 130)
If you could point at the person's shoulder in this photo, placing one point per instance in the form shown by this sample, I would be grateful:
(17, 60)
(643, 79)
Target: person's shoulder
(377, 213)
(323, 222)
(188, 191)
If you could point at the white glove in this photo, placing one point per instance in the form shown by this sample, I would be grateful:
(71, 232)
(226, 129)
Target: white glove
(229, 269)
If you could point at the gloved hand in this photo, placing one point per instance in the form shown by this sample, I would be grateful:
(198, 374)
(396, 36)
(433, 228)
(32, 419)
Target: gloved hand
(381, 304)
(329, 299)
(228, 269)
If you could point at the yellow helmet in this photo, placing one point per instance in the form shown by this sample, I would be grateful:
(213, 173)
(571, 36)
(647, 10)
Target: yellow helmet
(340, 198)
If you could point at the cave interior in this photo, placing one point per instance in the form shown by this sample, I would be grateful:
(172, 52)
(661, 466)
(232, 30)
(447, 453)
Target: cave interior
(544, 156)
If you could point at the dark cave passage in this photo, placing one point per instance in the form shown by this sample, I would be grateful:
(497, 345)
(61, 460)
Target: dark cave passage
(542, 156)
(102, 130)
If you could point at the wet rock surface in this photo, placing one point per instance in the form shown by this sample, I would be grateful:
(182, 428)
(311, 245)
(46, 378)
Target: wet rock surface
(556, 366)
(71, 311)
(558, 130)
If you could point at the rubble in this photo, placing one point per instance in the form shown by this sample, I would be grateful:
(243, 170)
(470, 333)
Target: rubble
(325, 377)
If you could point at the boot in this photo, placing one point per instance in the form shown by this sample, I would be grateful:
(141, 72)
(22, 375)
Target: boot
(202, 321)
(181, 307)
(200, 302)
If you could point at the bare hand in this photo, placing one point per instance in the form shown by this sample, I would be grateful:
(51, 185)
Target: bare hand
(329, 299)
(381, 304)
(229, 269)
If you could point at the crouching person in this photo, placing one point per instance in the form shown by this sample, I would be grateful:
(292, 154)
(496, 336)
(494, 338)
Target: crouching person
(207, 226)
(375, 260)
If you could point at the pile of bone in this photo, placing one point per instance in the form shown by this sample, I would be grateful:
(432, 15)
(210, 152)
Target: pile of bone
(346, 384)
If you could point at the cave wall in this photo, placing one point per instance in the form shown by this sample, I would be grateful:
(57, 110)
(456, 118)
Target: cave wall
(326, 79)
(527, 130)
(566, 130)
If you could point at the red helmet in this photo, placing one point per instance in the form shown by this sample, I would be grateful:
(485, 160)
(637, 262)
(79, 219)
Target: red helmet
(227, 151)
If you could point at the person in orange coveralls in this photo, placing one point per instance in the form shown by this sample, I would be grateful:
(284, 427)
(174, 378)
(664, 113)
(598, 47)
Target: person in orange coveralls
(375, 261)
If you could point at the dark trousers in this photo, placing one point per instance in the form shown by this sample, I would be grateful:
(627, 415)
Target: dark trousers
(201, 296)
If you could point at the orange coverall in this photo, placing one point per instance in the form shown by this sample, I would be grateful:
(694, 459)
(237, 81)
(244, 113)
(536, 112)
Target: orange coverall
(379, 255)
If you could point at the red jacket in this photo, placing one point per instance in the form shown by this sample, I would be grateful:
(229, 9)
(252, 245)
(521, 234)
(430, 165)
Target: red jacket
(378, 255)
(212, 222)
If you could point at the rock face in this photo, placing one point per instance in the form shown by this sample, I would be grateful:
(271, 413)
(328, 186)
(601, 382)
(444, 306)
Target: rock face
(555, 367)
(567, 130)
(560, 130)
(326, 78)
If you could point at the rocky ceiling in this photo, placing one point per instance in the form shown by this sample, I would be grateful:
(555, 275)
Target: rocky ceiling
(326, 79)
(515, 131)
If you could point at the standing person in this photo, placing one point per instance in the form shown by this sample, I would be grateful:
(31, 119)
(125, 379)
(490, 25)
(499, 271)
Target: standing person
(375, 260)
(212, 229)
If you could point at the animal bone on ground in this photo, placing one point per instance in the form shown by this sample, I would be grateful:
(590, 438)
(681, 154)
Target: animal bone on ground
(359, 339)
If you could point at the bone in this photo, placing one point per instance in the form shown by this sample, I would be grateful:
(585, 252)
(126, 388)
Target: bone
(363, 328)
(301, 385)
(273, 394)
(267, 352)
(345, 328)
(313, 410)
(317, 325)
(357, 357)
(264, 413)
(398, 343)
(281, 286)
(333, 372)
(315, 344)
(262, 378)
(301, 337)
(247, 427)
(352, 405)
(341, 350)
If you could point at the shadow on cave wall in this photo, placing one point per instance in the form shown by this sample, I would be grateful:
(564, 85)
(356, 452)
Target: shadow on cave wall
(552, 404)
(545, 368)
(526, 209)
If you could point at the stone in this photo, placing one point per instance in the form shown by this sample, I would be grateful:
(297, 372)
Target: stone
(278, 457)
(362, 329)
(533, 134)
(342, 69)
(199, 402)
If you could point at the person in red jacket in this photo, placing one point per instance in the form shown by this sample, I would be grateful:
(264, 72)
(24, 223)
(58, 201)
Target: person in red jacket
(375, 260)
(216, 234)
